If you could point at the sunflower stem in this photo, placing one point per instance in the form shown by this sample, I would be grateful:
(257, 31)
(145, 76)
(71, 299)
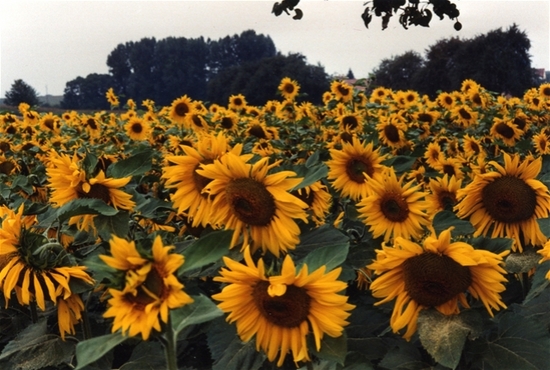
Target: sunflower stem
(169, 343)
(86, 328)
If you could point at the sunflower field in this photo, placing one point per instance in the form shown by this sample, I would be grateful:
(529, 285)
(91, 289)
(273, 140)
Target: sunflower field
(379, 230)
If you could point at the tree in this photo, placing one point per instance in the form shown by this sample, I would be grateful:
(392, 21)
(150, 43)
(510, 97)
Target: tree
(258, 80)
(411, 12)
(399, 72)
(21, 92)
(87, 93)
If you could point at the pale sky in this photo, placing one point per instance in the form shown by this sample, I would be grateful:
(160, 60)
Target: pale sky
(48, 43)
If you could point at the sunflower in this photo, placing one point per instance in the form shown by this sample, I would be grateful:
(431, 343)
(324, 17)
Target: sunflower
(545, 253)
(151, 289)
(112, 98)
(507, 202)
(350, 121)
(318, 199)
(433, 154)
(436, 274)
(181, 175)
(237, 102)
(281, 310)
(289, 88)
(446, 100)
(348, 167)
(541, 142)
(463, 116)
(50, 123)
(450, 166)
(38, 271)
(138, 129)
(472, 146)
(226, 119)
(544, 91)
(380, 95)
(180, 108)
(505, 130)
(442, 194)
(257, 206)
(68, 181)
(342, 91)
(391, 131)
(393, 209)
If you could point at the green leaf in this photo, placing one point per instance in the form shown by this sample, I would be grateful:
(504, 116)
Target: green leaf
(445, 219)
(146, 356)
(495, 245)
(539, 282)
(312, 175)
(34, 349)
(208, 249)
(137, 164)
(330, 256)
(240, 356)
(444, 336)
(404, 356)
(84, 207)
(22, 182)
(325, 246)
(400, 163)
(89, 163)
(201, 310)
(332, 349)
(91, 350)
(521, 344)
(118, 224)
(544, 224)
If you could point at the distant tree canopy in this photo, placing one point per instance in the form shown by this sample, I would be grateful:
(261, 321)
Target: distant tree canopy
(498, 60)
(411, 12)
(163, 70)
(258, 80)
(21, 92)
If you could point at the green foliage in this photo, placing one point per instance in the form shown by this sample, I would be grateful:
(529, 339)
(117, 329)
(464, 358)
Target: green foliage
(21, 92)
(91, 350)
(206, 250)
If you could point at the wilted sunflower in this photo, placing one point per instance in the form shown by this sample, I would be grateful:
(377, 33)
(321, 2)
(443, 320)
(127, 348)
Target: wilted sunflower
(181, 175)
(393, 209)
(68, 181)
(347, 167)
(281, 310)
(436, 274)
(180, 108)
(507, 202)
(38, 270)
(257, 206)
(289, 88)
(151, 289)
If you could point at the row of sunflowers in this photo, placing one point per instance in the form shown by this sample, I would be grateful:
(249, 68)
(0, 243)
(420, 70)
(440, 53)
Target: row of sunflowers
(380, 230)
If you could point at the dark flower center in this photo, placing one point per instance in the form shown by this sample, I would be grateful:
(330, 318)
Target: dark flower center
(394, 207)
(181, 109)
(446, 199)
(227, 123)
(288, 88)
(201, 181)
(504, 130)
(520, 122)
(464, 114)
(392, 133)
(305, 196)
(97, 191)
(343, 90)
(432, 279)
(250, 201)
(355, 168)
(449, 169)
(350, 122)
(509, 199)
(49, 123)
(258, 131)
(92, 123)
(425, 117)
(288, 310)
(137, 128)
(237, 102)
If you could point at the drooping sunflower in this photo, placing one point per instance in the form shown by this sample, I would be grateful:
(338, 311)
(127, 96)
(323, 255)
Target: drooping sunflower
(443, 194)
(505, 130)
(318, 199)
(342, 91)
(348, 167)
(257, 206)
(507, 201)
(35, 273)
(393, 209)
(181, 175)
(68, 181)
(180, 108)
(151, 289)
(281, 310)
(436, 274)
(289, 88)
(138, 129)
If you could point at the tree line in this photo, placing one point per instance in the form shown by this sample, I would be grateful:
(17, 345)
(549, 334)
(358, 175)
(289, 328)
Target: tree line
(249, 63)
